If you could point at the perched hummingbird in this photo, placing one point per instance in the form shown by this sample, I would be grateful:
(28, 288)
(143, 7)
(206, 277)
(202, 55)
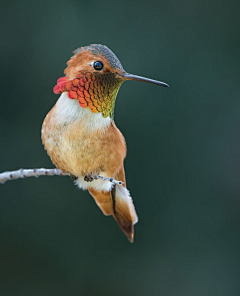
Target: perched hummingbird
(80, 135)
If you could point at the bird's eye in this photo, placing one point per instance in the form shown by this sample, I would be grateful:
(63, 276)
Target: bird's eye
(98, 65)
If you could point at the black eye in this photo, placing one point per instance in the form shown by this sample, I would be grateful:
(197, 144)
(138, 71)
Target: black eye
(98, 65)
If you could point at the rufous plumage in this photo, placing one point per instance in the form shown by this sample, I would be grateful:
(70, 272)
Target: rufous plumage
(80, 135)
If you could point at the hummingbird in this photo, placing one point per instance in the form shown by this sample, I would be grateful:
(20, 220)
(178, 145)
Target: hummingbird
(80, 135)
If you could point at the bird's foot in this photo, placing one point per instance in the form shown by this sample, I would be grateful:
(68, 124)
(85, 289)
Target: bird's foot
(73, 177)
(88, 178)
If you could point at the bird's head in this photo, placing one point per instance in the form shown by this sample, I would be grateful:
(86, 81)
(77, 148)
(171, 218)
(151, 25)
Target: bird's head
(93, 76)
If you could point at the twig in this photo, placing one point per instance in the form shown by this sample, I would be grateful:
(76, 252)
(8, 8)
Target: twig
(24, 173)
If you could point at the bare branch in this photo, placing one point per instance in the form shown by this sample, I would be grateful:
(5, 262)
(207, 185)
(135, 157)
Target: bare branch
(24, 173)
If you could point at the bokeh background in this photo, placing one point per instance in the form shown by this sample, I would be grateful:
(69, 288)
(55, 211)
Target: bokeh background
(183, 162)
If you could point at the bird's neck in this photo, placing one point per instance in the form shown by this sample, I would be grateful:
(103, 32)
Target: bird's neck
(93, 90)
(69, 112)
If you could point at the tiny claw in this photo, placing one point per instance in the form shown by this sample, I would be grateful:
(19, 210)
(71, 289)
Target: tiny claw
(73, 177)
(88, 178)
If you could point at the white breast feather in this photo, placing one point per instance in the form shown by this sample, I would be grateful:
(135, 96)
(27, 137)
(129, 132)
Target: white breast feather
(69, 111)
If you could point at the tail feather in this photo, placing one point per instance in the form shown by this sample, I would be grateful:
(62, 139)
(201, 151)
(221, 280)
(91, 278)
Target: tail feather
(104, 200)
(119, 204)
(124, 211)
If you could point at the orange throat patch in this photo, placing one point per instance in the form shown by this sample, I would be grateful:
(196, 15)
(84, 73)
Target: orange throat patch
(93, 90)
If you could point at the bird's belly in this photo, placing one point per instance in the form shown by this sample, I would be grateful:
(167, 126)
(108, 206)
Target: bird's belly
(80, 152)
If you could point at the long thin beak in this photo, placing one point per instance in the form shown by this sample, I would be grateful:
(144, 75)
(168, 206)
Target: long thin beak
(128, 76)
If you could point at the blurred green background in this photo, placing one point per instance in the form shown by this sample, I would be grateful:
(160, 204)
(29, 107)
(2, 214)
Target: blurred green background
(183, 162)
